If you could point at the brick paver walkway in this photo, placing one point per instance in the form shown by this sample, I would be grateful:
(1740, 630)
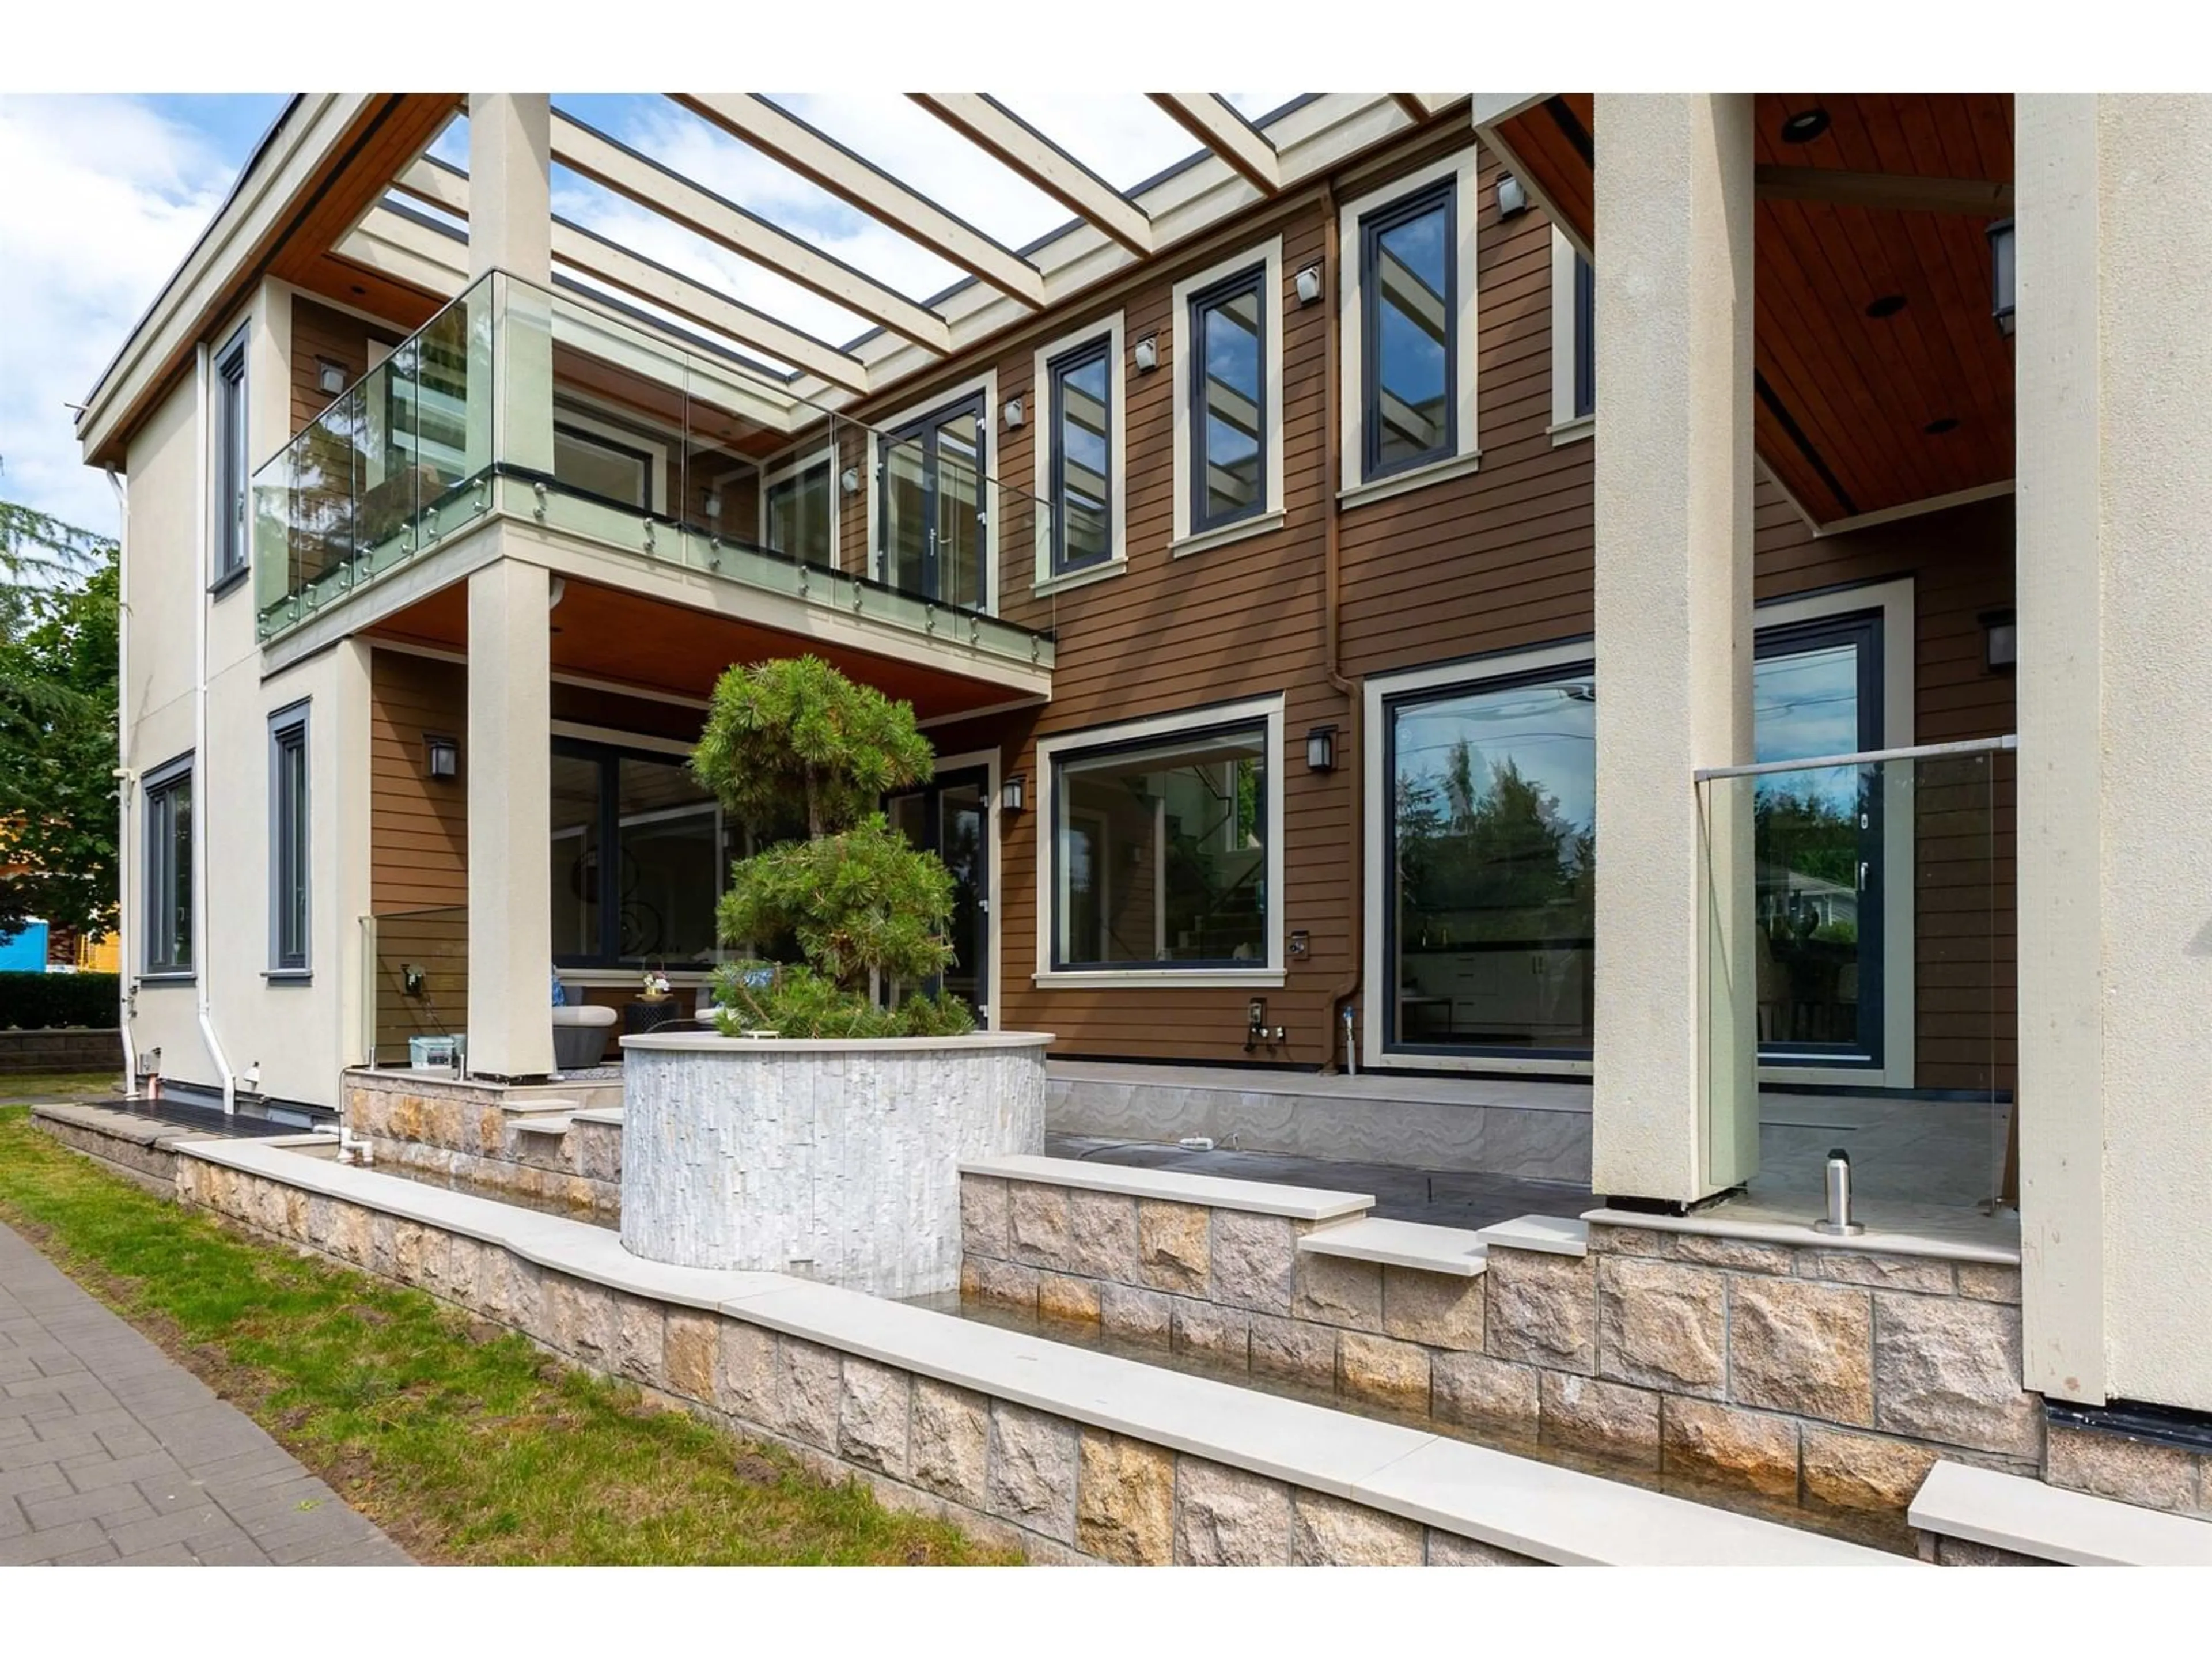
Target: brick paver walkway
(112, 1452)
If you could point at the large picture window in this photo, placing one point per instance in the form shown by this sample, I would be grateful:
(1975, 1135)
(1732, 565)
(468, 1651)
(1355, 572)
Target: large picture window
(1411, 326)
(289, 863)
(169, 868)
(1162, 853)
(637, 862)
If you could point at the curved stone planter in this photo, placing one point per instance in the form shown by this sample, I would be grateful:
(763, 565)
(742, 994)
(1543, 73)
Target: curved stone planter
(833, 1160)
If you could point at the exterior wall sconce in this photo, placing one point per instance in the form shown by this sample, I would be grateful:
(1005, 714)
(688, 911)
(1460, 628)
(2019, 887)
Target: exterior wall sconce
(1321, 749)
(2003, 274)
(330, 377)
(1013, 793)
(1015, 413)
(1145, 353)
(849, 480)
(2000, 641)
(1308, 285)
(1512, 196)
(442, 757)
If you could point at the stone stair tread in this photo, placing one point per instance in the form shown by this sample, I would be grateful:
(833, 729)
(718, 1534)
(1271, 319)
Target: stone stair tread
(540, 1104)
(1416, 1244)
(2012, 1512)
(1554, 1234)
(549, 1124)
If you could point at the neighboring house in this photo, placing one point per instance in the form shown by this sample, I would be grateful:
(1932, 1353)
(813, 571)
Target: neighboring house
(1330, 595)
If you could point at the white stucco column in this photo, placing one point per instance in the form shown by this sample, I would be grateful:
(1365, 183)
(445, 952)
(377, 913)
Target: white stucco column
(1674, 495)
(511, 230)
(2114, 354)
(508, 767)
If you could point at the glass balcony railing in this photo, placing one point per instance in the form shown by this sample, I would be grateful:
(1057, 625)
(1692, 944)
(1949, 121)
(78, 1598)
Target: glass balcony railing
(1861, 973)
(549, 407)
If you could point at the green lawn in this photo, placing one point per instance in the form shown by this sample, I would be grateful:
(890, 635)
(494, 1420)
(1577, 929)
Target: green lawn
(58, 1085)
(460, 1439)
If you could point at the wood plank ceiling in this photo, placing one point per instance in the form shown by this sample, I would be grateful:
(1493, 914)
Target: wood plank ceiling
(1882, 380)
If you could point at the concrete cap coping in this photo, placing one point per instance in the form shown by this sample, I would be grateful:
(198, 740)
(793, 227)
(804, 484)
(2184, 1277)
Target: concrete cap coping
(2012, 1512)
(1417, 1244)
(1553, 1234)
(1539, 1510)
(1174, 1187)
(713, 1043)
(1874, 1241)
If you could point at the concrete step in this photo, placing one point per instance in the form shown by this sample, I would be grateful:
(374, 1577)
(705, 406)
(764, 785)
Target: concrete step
(1417, 1244)
(553, 1123)
(1554, 1234)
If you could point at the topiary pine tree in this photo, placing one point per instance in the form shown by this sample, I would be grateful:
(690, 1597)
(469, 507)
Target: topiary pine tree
(794, 741)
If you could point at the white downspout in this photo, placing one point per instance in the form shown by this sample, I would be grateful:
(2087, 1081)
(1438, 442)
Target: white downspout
(126, 782)
(202, 969)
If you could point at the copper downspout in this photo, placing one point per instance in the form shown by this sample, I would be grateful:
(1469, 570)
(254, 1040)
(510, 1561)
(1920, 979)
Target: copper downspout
(1351, 760)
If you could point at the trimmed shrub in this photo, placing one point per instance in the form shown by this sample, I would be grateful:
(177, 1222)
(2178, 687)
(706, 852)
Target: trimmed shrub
(45, 1002)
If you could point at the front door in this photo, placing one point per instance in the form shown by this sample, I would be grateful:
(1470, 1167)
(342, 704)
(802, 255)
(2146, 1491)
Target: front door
(950, 818)
(931, 510)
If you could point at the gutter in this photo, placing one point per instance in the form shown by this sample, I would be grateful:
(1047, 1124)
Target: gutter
(126, 784)
(202, 969)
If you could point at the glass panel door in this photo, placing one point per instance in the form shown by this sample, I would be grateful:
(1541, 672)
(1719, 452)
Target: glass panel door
(950, 816)
(1817, 845)
(931, 507)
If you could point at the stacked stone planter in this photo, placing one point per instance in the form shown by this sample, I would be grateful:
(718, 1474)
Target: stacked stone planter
(836, 1161)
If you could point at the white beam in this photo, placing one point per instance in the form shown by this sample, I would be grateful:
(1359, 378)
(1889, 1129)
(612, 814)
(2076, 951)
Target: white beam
(997, 130)
(819, 159)
(645, 182)
(510, 163)
(1215, 123)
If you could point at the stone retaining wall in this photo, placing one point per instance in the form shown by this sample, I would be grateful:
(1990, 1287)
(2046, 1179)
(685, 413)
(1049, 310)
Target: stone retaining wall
(465, 1134)
(71, 1050)
(1827, 1376)
(1007, 1474)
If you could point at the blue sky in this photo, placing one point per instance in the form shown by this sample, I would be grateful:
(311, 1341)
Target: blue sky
(105, 195)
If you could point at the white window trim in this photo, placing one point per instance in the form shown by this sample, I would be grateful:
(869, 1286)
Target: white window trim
(986, 384)
(1466, 200)
(1117, 453)
(1894, 599)
(1374, 1050)
(789, 463)
(1268, 254)
(1268, 974)
(1567, 427)
(1900, 665)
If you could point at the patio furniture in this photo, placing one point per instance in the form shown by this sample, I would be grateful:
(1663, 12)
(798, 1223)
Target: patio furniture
(579, 1035)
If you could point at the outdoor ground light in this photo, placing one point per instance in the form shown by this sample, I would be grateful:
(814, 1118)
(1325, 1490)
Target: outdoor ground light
(1145, 353)
(1512, 196)
(1321, 749)
(2000, 641)
(442, 756)
(1011, 793)
(1308, 285)
(2003, 274)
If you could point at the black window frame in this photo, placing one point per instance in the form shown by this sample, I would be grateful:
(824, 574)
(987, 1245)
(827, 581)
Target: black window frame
(1585, 340)
(792, 474)
(291, 848)
(167, 866)
(1442, 195)
(922, 432)
(1099, 350)
(1184, 737)
(231, 546)
(1254, 278)
(609, 756)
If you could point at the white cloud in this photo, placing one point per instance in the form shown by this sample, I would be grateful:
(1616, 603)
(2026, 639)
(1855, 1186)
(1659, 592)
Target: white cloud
(102, 198)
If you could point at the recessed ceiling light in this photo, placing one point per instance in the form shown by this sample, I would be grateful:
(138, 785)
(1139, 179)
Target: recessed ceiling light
(1805, 125)
(1937, 428)
(1889, 305)
(358, 288)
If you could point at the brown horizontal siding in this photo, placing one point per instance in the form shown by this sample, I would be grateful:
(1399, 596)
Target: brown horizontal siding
(320, 334)
(418, 848)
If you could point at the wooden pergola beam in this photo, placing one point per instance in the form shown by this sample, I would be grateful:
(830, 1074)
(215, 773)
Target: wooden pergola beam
(1898, 192)
(1208, 118)
(1004, 136)
(641, 179)
(822, 161)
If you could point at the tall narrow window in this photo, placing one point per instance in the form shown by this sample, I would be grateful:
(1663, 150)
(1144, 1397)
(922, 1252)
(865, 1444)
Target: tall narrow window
(169, 868)
(796, 514)
(1082, 464)
(1229, 402)
(1585, 339)
(289, 863)
(230, 504)
(1410, 329)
